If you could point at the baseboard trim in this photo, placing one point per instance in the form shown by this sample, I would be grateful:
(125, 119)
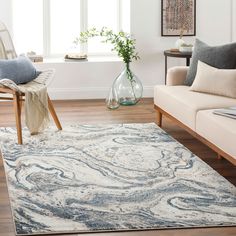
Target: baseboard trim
(88, 93)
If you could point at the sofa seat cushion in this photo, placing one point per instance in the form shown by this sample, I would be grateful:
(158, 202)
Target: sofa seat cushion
(219, 130)
(184, 104)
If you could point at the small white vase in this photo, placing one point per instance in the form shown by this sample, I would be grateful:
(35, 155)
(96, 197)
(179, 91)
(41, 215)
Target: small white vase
(179, 42)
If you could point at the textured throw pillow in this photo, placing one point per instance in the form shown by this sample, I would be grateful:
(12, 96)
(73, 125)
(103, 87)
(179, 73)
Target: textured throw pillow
(215, 81)
(222, 57)
(20, 70)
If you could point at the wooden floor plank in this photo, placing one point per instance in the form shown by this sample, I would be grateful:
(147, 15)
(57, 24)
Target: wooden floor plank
(95, 112)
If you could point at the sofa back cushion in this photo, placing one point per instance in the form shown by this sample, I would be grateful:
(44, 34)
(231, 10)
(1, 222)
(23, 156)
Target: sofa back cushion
(222, 57)
(215, 81)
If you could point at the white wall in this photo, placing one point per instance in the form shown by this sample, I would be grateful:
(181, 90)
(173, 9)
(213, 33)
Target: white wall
(82, 80)
(5, 13)
(215, 25)
(234, 20)
(214, 21)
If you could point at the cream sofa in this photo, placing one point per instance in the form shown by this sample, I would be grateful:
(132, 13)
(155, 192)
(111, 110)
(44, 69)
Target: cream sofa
(194, 112)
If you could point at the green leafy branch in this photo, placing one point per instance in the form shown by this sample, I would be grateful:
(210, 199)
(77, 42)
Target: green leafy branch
(122, 42)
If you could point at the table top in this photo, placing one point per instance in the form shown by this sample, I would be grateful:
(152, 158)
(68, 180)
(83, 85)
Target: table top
(170, 53)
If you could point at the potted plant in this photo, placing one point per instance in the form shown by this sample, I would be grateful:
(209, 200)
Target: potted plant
(127, 88)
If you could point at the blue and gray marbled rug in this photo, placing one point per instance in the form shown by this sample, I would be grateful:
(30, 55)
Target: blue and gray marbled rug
(111, 177)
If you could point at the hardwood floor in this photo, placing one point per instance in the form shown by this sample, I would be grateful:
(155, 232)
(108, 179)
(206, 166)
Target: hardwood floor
(95, 112)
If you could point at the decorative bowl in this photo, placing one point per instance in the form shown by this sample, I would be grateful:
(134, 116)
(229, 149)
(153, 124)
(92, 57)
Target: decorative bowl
(188, 48)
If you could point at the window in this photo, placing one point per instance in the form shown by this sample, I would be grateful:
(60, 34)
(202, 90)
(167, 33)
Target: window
(28, 25)
(50, 26)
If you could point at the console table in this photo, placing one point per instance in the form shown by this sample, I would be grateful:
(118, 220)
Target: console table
(169, 53)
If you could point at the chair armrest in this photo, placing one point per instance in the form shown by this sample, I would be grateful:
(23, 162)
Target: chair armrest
(176, 75)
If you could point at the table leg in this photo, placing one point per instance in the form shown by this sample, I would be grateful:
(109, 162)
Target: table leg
(187, 61)
(165, 68)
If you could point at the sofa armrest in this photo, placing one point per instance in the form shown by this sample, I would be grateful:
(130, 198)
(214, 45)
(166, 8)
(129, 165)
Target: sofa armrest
(176, 75)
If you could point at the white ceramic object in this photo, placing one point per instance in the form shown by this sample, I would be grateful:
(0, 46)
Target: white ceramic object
(179, 42)
(185, 49)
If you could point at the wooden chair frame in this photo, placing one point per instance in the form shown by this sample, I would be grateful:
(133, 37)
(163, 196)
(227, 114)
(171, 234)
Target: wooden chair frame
(18, 98)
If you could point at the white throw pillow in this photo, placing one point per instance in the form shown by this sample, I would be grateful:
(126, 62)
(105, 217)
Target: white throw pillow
(215, 81)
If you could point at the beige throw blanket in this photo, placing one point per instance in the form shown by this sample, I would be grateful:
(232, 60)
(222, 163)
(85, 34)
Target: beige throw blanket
(36, 100)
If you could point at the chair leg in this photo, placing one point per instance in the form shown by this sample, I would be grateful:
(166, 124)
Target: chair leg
(53, 113)
(159, 118)
(20, 104)
(17, 108)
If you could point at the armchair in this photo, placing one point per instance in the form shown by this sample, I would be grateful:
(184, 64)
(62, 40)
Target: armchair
(15, 93)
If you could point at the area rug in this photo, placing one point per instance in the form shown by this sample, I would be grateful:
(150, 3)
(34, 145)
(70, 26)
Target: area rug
(90, 178)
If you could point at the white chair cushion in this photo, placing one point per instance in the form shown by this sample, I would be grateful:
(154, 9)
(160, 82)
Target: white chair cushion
(219, 130)
(184, 104)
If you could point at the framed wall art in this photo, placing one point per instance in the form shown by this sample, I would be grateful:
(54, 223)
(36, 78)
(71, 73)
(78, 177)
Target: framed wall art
(178, 17)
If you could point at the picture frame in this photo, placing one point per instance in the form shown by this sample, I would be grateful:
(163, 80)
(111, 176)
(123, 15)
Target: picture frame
(178, 18)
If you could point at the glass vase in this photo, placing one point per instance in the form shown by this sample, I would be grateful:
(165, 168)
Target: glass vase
(112, 100)
(128, 87)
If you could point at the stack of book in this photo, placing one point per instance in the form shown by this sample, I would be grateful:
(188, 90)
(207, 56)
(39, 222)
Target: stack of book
(34, 57)
(75, 57)
(228, 112)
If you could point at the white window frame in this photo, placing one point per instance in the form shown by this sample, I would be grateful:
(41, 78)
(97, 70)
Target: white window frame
(83, 26)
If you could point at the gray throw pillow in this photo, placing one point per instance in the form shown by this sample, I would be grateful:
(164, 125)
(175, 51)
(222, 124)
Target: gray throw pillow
(221, 57)
(20, 70)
